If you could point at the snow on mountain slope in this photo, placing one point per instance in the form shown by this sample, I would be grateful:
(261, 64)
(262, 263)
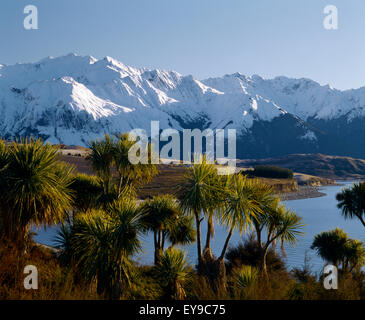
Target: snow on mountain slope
(72, 99)
(304, 98)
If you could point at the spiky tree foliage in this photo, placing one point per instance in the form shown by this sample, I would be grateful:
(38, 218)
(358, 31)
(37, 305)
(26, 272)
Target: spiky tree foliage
(101, 158)
(181, 231)
(337, 248)
(63, 241)
(267, 203)
(131, 175)
(197, 194)
(163, 216)
(110, 160)
(352, 202)
(245, 276)
(354, 255)
(93, 252)
(159, 211)
(283, 226)
(34, 186)
(242, 206)
(279, 223)
(173, 272)
(102, 243)
(87, 191)
(329, 245)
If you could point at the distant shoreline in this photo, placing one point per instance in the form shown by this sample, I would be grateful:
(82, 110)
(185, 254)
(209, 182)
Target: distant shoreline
(304, 192)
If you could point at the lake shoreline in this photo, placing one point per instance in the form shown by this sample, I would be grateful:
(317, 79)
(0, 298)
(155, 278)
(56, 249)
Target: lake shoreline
(318, 210)
(304, 192)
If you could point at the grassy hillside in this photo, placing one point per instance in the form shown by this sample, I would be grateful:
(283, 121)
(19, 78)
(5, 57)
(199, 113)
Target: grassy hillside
(171, 176)
(333, 167)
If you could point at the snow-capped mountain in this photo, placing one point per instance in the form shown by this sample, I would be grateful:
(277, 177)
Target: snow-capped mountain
(73, 99)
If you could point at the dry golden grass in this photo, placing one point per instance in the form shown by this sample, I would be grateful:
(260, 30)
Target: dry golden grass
(58, 282)
(170, 178)
(55, 282)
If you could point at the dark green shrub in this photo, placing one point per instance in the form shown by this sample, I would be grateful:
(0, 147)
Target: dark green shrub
(273, 172)
(248, 253)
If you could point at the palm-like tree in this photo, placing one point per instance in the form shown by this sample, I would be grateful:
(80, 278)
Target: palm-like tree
(103, 242)
(163, 216)
(102, 157)
(242, 207)
(352, 202)
(181, 231)
(109, 159)
(329, 245)
(34, 186)
(87, 191)
(281, 225)
(197, 194)
(267, 203)
(337, 248)
(173, 272)
(220, 190)
(131, 175)
(354, 255)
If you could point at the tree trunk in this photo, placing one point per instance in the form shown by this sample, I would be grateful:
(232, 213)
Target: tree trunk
(100, 287)
(198, 238)
(207, 249)
(157, 241)
(258, 234)
(224, 250)
(263, 266)
(222, 277)
(117, 286)
(155, 245)
(163, 241)
(221, 267)
(259, 241)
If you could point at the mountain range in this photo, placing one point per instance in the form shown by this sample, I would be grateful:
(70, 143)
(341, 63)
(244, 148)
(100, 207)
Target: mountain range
(72, 99)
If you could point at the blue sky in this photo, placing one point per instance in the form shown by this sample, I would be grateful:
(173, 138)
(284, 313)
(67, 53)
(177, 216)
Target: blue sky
(200, 37)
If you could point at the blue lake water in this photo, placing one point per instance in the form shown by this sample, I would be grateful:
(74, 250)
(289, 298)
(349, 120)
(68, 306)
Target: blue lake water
(319, 214)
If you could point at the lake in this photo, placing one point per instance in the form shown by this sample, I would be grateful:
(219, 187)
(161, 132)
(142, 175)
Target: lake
(319, 214)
